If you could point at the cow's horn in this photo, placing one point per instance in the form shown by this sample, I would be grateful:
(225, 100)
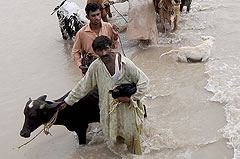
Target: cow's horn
(43, 97)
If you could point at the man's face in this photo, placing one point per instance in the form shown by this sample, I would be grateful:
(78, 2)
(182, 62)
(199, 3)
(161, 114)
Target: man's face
(104, 54)
(95, 17)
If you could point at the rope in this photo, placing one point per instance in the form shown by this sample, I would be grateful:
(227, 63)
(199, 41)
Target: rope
(121, 46)
(48, 125)
(45, 129)
(120, 13)
(115, 104)
(119, 36)
(55, 9)
(30, 140)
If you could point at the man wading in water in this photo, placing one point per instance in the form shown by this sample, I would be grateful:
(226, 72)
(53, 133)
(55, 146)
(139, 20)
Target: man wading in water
(86, 35)
(108, 71)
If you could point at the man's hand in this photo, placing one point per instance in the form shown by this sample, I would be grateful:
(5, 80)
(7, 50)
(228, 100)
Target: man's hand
(111, 2)
(83, 68)
(62, 106)
(115, 31)
(124, 99)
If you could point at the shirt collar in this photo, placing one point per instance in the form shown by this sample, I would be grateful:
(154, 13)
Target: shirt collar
(123, 58)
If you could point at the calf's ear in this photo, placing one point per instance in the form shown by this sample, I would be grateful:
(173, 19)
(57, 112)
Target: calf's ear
(42, 98)
(54, 105)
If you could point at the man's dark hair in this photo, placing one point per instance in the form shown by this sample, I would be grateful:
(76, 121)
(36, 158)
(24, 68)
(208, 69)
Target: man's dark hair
(101, 42)
(91, 7)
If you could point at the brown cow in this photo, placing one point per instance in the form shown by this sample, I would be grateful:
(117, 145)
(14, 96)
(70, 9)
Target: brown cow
(168, 10)
(104, 7)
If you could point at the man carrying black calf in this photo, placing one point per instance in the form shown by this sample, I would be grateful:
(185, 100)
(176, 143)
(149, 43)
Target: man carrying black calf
(108, 71)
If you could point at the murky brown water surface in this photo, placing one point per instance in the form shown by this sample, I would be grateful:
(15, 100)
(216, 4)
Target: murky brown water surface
(184, 118)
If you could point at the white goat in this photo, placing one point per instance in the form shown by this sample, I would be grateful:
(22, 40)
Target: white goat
(199, 53)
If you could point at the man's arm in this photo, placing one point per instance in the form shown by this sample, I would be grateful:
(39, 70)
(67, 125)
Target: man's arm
(140, 79)
(76, 50)
(114, 36)
(86, 84)
(142, 85)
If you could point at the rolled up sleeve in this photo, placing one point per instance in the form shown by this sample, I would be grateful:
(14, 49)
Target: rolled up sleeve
(76, 50)
(142, 83)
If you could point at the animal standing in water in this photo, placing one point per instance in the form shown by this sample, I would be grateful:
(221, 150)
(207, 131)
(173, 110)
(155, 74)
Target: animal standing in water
(75, 118)
(199, 53)
(71, 19)
(168, 10)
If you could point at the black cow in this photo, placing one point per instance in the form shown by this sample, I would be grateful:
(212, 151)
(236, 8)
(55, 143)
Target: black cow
(74, 118)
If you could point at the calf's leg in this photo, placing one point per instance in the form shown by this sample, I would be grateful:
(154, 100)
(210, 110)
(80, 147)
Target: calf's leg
(181, 8)
(188, 8)
(108, 12)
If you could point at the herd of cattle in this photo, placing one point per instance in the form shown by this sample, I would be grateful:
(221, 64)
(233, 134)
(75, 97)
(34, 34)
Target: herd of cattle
(72, 18)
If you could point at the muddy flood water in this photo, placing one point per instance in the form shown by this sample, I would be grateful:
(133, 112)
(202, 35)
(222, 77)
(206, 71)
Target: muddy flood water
(193, 108)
